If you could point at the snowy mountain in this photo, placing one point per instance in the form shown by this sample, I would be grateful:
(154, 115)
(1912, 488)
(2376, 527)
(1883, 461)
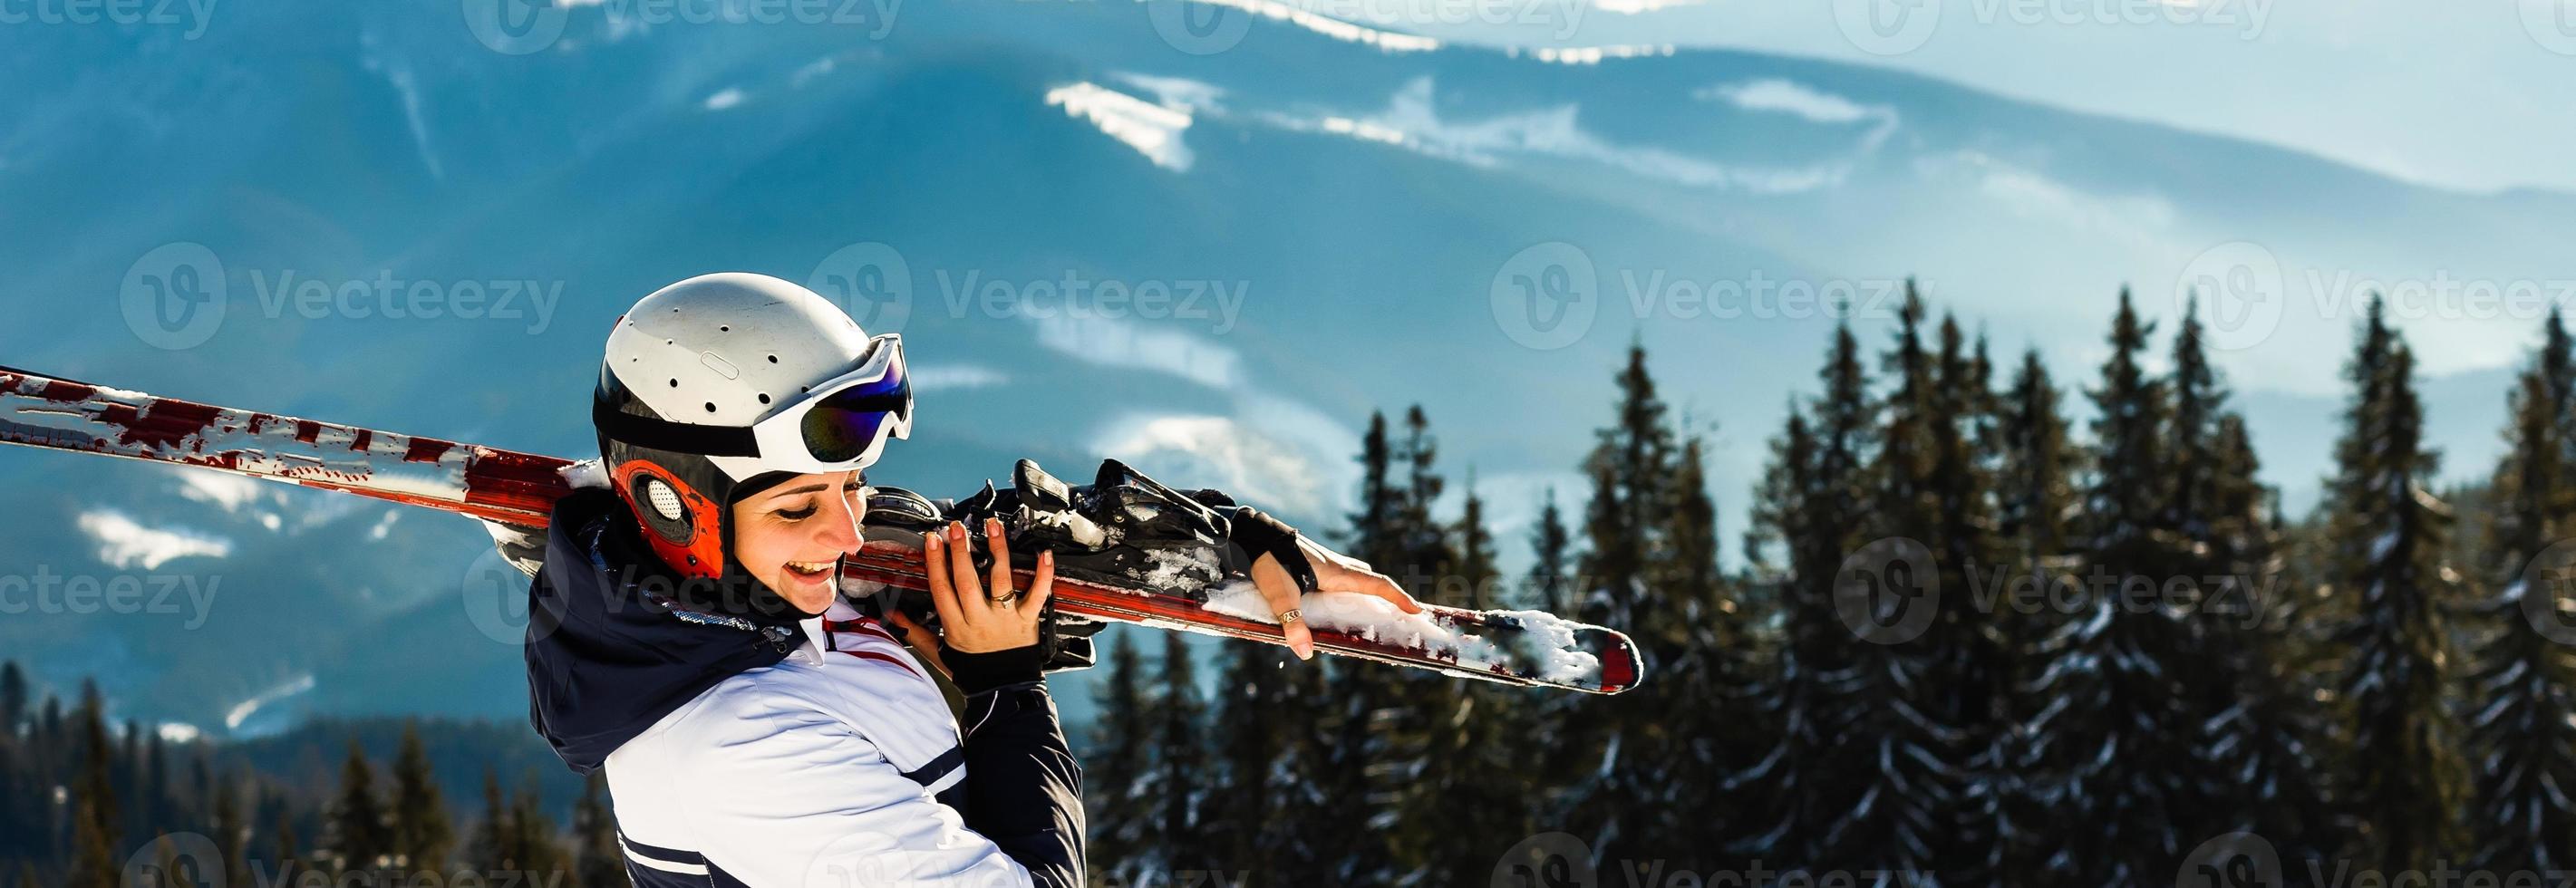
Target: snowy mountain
(1332, 211)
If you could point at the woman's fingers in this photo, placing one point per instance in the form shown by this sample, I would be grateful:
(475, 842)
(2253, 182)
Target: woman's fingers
(943, 598)
(961, 569)
(1041, 585)
(1001, 548)
(1377, 584)
(1280, 590)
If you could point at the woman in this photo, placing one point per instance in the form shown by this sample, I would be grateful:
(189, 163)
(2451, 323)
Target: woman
(689, 633)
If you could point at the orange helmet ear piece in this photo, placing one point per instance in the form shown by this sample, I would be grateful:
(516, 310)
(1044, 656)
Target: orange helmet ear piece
(680, 523)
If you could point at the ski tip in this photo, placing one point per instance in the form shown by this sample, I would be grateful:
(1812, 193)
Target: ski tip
(1622, 668)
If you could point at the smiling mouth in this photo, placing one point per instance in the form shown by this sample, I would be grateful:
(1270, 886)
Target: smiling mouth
(810, 569)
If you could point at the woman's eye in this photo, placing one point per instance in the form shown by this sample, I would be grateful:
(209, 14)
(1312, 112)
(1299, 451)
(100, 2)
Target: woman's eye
(796, 514)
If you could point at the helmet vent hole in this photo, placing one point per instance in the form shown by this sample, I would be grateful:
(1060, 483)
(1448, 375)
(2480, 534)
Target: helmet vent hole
(773, 359)
(764, 397)
(675, 383)
(666, 502)
(711, 406)
(724, 328)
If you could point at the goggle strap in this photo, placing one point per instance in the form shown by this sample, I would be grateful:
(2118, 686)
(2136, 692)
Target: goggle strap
(676, 437)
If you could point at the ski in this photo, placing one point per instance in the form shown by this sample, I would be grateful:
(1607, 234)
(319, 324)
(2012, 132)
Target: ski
(1526, 648)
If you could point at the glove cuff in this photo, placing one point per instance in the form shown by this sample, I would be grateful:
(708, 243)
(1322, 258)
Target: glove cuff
(990, 670)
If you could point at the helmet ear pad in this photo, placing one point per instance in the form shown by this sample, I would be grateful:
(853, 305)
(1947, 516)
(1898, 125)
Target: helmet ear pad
(684, 526)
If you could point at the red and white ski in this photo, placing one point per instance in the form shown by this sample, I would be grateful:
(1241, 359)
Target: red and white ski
(1513, 647)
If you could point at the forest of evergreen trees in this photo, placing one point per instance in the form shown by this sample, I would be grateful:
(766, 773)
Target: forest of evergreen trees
(1966, 643)
(2193, 685)
(87, 805)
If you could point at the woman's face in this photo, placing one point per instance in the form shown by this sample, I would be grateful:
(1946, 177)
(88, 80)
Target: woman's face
(791, 536)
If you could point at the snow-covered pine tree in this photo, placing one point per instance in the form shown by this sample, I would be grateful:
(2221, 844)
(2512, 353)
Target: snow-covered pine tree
(2522, 691)
(1359, 787)
(1177, 776)
(2111, 687)
(1905, 748)
(1119, 811)
(2025, 775)
(1813, 513)
(1975, 668)
(2403, 777)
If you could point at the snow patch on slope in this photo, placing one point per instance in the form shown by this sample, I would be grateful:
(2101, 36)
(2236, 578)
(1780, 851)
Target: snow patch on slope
(125, 544)
(1153, 130)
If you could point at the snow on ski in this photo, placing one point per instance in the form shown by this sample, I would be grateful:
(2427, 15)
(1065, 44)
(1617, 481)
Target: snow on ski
(1513, 647)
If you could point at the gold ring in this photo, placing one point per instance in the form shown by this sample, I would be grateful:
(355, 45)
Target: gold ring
(1291, 615)
(1006, 598)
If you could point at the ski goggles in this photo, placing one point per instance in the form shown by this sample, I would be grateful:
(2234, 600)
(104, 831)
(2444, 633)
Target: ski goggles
(840, 424)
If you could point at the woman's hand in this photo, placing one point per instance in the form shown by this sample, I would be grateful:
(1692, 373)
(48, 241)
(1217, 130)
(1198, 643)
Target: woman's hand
(1334, 572)
(973, 620)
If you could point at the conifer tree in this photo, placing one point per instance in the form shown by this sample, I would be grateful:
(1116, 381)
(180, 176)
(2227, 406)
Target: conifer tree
(360, 835)
(2403, 785)
(598, 860)
(13, 698)
(94, 838)
(1115, 771)
(231, 831)
(2122, 727)
(2034, 493)
(2522, 694)
(1179, 766)
(421, 835)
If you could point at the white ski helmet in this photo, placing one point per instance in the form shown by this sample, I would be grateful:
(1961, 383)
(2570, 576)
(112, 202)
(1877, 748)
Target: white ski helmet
(714, 382)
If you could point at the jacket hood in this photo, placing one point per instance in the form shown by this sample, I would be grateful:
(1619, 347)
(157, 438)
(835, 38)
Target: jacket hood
(617, 639)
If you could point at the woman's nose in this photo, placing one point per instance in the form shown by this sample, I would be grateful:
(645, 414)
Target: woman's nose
(844, 533)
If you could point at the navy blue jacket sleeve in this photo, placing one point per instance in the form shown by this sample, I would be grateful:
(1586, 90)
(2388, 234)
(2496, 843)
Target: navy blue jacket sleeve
(1023, 787)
